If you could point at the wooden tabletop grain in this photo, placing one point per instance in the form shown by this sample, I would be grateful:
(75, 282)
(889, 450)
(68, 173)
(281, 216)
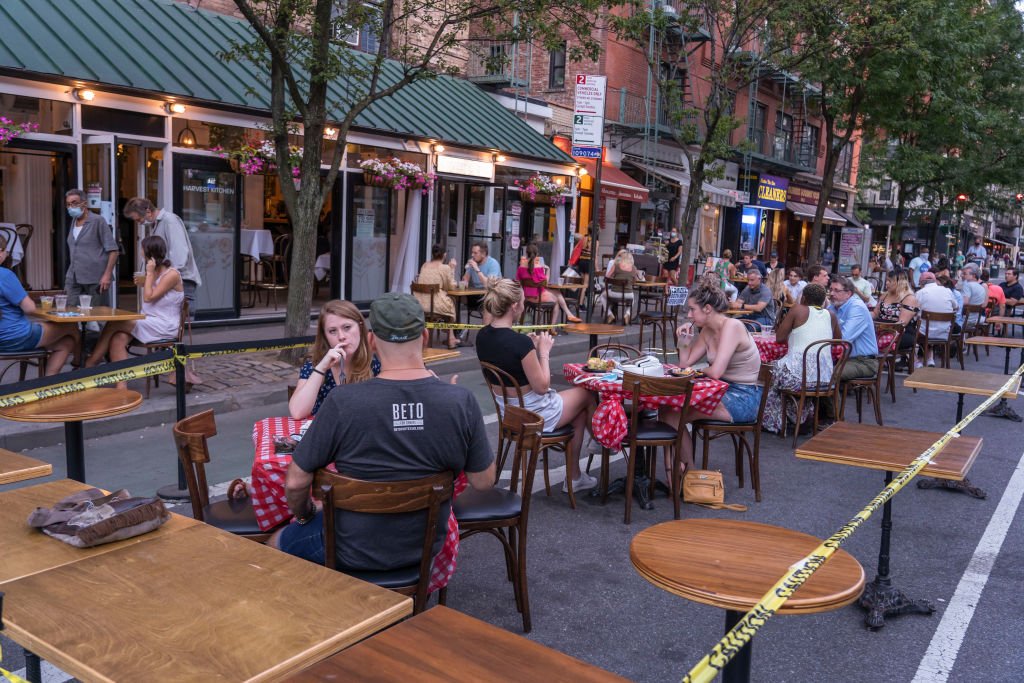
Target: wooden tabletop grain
(568, 286)
(593, 328)
(1006, 342)
(94, 314)
(889, 449)
(89, 404)
(731, 564)
(960, 382)
(25, 551)
(432, 355)
(17, 467)
(1005, 320)
(442, 645)
(196, 605)
(466, 292)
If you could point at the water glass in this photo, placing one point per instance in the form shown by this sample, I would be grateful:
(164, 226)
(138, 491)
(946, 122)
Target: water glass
(61, 302)
(46, 302)
(462, 284)
(85, 302)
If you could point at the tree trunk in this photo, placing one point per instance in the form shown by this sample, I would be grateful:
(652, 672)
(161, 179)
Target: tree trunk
(827, 183)
(694, 197)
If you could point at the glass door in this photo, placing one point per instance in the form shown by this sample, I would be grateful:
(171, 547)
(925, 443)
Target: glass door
(369, 230)
(207, 196)
(100, 182)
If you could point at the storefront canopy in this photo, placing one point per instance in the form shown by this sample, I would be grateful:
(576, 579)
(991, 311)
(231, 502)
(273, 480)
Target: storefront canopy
(678, 176)
(156, 48)
(615, 184)
(806, 211)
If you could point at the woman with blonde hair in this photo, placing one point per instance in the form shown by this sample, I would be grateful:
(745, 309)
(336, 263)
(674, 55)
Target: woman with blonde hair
(343, 357)
(622, 268)
(527, 359)
(776, 282)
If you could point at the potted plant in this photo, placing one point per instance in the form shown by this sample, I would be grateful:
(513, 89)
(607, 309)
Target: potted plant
(409, 176)
(377, 172)
(540, 187)
(10, 130)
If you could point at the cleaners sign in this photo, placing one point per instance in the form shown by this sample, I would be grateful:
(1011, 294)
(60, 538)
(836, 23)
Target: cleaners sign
(771, 192)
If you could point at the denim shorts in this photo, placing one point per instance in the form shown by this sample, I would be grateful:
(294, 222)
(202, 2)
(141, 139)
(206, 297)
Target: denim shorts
(26, 343)
(742, 401)
(305, 540)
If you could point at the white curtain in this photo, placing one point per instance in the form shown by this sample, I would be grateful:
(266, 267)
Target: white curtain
(558, 248)
(27, 182)
(407, 261)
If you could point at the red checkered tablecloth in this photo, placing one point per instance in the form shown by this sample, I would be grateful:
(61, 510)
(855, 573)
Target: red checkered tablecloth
(772, 350)
(609, 424)
(268, 497)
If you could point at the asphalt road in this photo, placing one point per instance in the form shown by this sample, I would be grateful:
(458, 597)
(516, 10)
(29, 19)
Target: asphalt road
(588, 601)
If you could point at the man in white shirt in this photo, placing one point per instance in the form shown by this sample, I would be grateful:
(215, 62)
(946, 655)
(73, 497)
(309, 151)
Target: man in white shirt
(974, 292)
(862, 285)
(920, 264)
(934, 298)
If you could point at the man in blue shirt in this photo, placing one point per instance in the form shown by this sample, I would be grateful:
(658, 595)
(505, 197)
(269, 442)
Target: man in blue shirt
(480, 267)
(750, 262)
(857, 326)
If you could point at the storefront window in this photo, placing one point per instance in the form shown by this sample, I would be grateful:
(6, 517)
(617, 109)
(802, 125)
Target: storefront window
(371, 223)
(209, 210)
(708, 225)
(51, 116)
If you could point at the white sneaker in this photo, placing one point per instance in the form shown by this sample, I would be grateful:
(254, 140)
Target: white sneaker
(931, 363)
(584, 482)
(918, 364)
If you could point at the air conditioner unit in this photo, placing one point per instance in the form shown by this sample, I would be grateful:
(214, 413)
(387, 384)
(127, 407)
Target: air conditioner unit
(670, 11)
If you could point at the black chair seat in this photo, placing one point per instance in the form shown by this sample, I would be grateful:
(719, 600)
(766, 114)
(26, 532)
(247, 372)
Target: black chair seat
(233, 516)
(485, 506)
(654, 430)
(31, 353)
(558, 432)
(394, 578)
(723, 423)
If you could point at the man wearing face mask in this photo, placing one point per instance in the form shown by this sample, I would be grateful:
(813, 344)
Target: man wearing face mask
(675, 252)
(167, 225)
(92, 251)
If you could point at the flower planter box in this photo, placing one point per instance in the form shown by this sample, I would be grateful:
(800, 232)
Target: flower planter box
(376, 180)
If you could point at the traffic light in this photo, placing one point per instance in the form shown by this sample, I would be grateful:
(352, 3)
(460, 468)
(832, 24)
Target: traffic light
(1020, 198)
(962, 198)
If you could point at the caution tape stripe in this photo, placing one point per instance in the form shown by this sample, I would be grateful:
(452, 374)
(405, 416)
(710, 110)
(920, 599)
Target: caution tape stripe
(9, 675)
(741, 634)
(103, 379)
(467, 326)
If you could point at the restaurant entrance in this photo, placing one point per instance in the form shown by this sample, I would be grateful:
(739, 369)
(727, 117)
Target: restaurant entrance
(467, 213)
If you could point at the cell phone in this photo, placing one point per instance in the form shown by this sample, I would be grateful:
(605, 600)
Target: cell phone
(284, 444)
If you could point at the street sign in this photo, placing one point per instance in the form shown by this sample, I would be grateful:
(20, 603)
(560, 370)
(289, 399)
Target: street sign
(588, 117)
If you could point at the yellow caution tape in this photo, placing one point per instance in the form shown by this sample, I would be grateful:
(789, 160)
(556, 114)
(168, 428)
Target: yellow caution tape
(714, 662)
(93, 382)
(465, 326)
(10, 675)
(227, 352)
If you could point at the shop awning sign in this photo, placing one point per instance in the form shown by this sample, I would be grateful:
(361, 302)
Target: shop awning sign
(588, 116)
(771, 192)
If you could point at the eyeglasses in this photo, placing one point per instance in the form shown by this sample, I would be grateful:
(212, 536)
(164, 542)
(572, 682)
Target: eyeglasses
(73, 205)
(836, 290)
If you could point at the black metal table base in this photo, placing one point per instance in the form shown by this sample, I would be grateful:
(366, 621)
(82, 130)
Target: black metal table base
(882, 600)
(738, 668)
(33, 668)
(74, 449)
(641, 488)
(964, 486)
(1003, 410)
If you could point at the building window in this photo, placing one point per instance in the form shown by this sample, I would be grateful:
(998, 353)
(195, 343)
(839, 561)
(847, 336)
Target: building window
(757, 132)
(556, 68)
(885, 192)
(782, 143)
(809, 143)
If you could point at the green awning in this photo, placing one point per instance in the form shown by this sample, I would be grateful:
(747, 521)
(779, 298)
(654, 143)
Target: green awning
(161, 47)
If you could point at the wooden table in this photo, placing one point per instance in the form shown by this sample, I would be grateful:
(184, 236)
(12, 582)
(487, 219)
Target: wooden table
(889, 449)
(959, 382)
(93, 315)
(431, 355)
(17, 467)
(731, 564)
(1008, 343)
(25, 551)
(459, 294)
(1006, 320)
(442, 645)
(199, 604)
(73, 410)
(594, 329)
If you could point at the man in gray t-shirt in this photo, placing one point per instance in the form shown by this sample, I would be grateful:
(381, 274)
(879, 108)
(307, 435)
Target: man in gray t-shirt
(757, 299)
(403, 424)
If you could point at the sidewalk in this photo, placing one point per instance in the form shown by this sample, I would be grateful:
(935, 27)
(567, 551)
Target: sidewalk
(230, 383)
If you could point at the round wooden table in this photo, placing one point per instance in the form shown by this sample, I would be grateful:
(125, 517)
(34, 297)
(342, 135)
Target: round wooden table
(732, 564)
(594, 329)
(73, 410)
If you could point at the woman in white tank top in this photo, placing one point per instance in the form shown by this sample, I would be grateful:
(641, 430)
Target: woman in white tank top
(806, 323)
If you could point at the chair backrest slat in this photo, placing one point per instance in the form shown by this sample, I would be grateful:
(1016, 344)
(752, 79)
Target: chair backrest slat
(190, 438)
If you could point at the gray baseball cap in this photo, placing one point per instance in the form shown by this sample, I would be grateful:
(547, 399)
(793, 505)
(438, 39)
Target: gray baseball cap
(397, 317)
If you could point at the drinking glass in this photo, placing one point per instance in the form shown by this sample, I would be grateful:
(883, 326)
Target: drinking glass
(85, 302)
(61, 302)
(46, 302)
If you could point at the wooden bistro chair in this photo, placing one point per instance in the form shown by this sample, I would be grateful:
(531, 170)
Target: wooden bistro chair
(163, 344)
(541, 312)
(816, 355)
(971, 328)
(430, 291)
(572, 298)
(276, 265)
(891, 354)
(619, 295)
(424, 495)
(928, 319)
(663, 318)
(709, 430)
(233, 515)
(504, 513)
(872, 386)
(646, 436)
(500, 383)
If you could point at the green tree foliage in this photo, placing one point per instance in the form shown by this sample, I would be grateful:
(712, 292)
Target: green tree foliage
(316, 79)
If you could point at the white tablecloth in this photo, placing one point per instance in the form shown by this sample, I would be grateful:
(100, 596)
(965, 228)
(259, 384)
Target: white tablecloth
(17, 252)
(257, 242)
(322, 267)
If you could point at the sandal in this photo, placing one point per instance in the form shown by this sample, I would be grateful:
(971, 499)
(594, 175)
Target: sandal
(573, 319)
(238, 490)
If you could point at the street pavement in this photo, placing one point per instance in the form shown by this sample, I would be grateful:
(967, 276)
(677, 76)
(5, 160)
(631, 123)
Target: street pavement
(588, 601)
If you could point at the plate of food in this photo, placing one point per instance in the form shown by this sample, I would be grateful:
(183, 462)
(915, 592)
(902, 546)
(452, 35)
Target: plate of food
(686, 372)
(600, 365)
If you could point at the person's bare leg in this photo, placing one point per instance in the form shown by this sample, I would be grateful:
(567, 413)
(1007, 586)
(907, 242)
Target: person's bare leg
(119, 345)
(60, 344)
(576, 410)
(103, 344)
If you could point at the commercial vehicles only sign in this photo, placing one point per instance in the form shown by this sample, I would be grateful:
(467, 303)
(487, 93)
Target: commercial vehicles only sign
(588, 116)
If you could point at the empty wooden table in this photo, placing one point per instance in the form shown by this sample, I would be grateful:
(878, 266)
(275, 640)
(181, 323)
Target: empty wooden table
(25, 551)
(1008, 343)
(196, 605)
(432, 355)
(889, 449)
(17, 467)
(731, 564)
(443, 646)
(73, 410)
(75, 316)
(594, 329)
